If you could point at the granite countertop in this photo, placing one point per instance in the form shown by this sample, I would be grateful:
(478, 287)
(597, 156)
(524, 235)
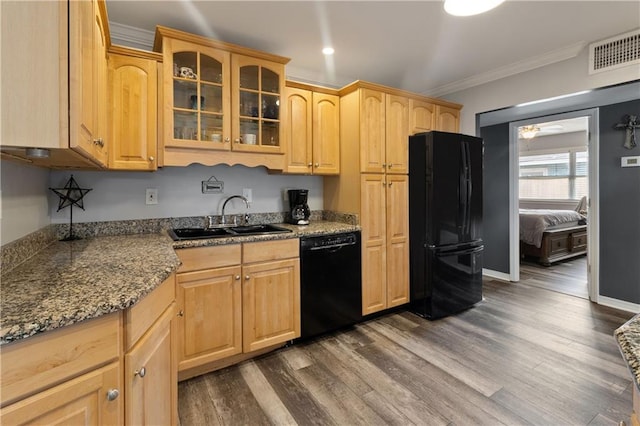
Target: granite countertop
(68, 282)
(314, 228)
(628, 337)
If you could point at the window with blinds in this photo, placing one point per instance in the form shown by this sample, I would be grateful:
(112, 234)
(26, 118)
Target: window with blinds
(559, 176)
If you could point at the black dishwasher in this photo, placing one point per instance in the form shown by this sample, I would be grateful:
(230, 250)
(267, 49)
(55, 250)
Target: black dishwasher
(331, 282)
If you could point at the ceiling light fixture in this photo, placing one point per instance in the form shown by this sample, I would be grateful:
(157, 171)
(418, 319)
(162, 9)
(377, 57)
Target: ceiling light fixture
(328, 51)
(469, 7)
(528, 132)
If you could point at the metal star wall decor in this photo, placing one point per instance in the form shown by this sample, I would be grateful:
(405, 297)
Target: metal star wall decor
(630, 126)
(69, 195)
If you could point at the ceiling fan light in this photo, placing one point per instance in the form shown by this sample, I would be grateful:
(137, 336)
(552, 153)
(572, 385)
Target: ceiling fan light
(528, 132)
(469, 7)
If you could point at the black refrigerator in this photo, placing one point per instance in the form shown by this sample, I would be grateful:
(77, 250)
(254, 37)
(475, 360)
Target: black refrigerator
(445, 222)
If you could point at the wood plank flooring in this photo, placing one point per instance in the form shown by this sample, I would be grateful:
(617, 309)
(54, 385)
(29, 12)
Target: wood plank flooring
(523, 356)
(567, 276)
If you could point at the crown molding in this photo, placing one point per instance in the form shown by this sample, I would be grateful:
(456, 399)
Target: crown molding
(127, 35)
(549, 58)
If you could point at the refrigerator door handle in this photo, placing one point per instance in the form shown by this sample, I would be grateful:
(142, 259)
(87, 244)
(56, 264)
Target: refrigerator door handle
(471, 250)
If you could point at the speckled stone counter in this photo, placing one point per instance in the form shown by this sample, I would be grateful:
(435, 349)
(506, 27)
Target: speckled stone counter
(68, 282)
(314, 228)
(628, 337)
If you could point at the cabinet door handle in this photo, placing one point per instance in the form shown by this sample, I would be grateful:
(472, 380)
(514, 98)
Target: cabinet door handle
(151, 158)
(99, 142)
(384, 165)
(227, 140)
(237, 140)
(390, 165)
(237, 277)
(181, 313)
(246, 277)
(390, 183)
(384, 183)
(142, 372)
(113, 394)
(317, 164)
(309, 165)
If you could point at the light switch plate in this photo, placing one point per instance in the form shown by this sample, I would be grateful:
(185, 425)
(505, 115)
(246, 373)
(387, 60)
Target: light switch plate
(631, 161)
(151, 196)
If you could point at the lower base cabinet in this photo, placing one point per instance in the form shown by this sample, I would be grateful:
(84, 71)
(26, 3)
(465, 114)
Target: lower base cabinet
(91, 399)
(120, 368)
(234, 300)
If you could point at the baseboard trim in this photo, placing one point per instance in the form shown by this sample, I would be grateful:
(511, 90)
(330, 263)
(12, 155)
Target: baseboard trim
(495, 274)
(619, 304)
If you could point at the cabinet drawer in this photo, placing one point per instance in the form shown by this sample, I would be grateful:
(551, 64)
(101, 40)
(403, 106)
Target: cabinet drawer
(270, 250)
(194, 259)
(39, 362)
(578, 241)
(558, 244)
(143, 314)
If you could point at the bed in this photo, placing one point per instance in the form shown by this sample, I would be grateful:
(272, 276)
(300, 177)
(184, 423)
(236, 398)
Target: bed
(552, 235)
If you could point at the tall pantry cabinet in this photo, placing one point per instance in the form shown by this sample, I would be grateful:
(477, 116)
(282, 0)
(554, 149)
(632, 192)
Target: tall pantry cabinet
(375, 124)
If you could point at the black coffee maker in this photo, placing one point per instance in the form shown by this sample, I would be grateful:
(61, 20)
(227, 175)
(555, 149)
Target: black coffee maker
(298, 209)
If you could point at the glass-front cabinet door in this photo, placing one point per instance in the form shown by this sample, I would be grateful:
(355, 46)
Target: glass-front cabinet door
(198, 114)
(257, 104)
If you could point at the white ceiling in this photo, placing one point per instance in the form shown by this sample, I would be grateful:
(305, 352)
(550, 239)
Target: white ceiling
(412, 45)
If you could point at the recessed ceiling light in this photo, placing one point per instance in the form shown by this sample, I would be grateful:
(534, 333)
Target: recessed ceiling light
(469, 7)
(328, 51)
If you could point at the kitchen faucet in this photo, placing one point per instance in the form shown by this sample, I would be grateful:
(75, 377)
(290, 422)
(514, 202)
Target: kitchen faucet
(246, 202)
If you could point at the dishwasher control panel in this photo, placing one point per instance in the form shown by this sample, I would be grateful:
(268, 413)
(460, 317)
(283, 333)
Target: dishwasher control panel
(333, 240)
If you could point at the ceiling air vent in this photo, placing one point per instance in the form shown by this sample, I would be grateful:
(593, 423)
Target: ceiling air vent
(615, 52)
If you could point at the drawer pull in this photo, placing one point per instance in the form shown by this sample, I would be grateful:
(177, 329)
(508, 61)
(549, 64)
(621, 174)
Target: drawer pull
(142, 372)
(113, 394)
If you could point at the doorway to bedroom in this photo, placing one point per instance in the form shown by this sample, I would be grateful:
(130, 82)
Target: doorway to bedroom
(552, 198)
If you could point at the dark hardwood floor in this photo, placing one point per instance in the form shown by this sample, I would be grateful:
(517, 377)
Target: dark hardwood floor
(525, 355)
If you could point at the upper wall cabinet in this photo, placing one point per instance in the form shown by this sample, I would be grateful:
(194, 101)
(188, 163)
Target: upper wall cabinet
(447, 119)
(312, 133)
(422, 116)
(133, 111)
(222, 102)
(54, 77)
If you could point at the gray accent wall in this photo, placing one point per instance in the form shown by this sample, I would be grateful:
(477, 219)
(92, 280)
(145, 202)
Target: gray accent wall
(495, 216)
(619, 207)
(619, 188)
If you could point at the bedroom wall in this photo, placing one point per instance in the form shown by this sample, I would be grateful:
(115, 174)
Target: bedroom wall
(619, 193)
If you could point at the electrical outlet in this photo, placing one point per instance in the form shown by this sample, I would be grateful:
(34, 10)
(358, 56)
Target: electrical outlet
(152, 196)
(248, 194)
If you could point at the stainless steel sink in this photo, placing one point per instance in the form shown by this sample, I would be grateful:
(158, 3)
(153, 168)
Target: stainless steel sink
(180, 234)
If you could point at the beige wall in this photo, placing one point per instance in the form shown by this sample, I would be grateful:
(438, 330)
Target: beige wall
(24, 200)
(557, 79)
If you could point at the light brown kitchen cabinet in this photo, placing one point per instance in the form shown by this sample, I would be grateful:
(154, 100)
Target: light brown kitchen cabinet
(374, 131)
(384, 122)
(270, 293)
(385, 241)
(422, 116)
(312, 132)
(150, 362)
(256, 97)
(85, 400)
(222, 102)
(55, 97)
(447, 119)
(83, 386)
(133, 112)
(235, 301)
(209, 295)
